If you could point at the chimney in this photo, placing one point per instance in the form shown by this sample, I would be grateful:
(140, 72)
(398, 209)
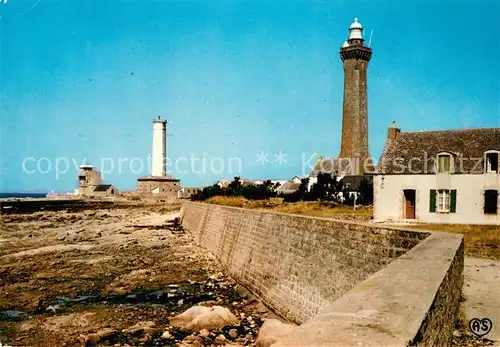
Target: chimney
(393, 131)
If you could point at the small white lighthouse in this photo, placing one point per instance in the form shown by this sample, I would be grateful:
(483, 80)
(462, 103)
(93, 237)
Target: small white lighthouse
(159, 183)
(159, 153)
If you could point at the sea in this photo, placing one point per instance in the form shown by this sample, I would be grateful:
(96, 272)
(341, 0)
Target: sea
(22, 195)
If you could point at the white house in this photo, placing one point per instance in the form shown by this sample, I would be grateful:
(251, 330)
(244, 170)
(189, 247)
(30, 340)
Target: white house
(439, 177)
(223, 183)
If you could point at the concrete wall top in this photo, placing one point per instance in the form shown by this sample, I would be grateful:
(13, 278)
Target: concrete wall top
(395, 306)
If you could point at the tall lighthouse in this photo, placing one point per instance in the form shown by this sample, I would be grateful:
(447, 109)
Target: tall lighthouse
(355, 57)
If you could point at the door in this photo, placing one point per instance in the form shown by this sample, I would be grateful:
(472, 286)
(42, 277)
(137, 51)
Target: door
(409, 205)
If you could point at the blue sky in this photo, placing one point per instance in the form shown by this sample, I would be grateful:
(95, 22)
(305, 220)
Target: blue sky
(233, 78)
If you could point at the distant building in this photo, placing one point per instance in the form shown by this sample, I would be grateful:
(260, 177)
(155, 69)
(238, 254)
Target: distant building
(105, 189)
(90, 183)
(276, 184)
(447, 176)
(223, 183)
(298, 179)
(88, 179)
(187, 192)
(288, 187)
(160, 186)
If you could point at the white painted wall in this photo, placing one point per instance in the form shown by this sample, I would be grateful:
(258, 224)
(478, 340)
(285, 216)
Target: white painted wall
(159, 148)
(388, 202)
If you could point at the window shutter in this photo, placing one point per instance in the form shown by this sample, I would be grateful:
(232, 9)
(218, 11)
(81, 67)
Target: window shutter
(453, 201)
(491, 201)
(432, 201)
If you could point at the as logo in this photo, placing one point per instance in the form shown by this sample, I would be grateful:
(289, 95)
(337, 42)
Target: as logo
(480, 327)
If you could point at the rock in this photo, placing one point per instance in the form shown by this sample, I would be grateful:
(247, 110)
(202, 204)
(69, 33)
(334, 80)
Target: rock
(233, 333)
(208, 303)
(191, 339)
(200, 317)
(272, 331)
(145, 338)
(142, 328)
(204, 333)
(106, 333)
(150, 330)
(166, 335)
(52, 308)
(90, 340)
(220, 340)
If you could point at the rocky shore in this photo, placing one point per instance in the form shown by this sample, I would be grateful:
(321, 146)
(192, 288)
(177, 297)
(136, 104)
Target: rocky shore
(113, 275)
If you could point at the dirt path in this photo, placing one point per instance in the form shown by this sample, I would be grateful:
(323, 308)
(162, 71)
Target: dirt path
(482, 292)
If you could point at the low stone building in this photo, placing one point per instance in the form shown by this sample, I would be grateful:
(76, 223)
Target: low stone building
(105, 189)
(187, 192)
(90, 183)
(158, 185)
(447, 176)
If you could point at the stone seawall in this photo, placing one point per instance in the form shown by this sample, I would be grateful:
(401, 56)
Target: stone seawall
(297, 265)
(348, 283)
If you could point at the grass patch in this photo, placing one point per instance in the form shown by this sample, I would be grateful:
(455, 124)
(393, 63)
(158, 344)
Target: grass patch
(481, 241)
(238, 201)
(325, 210)
(309, 208)
(170, 208)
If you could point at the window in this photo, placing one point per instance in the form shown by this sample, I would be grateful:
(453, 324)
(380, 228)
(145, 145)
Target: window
(444, 163)
(443, 201)
(491, 201)
(491, 162)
